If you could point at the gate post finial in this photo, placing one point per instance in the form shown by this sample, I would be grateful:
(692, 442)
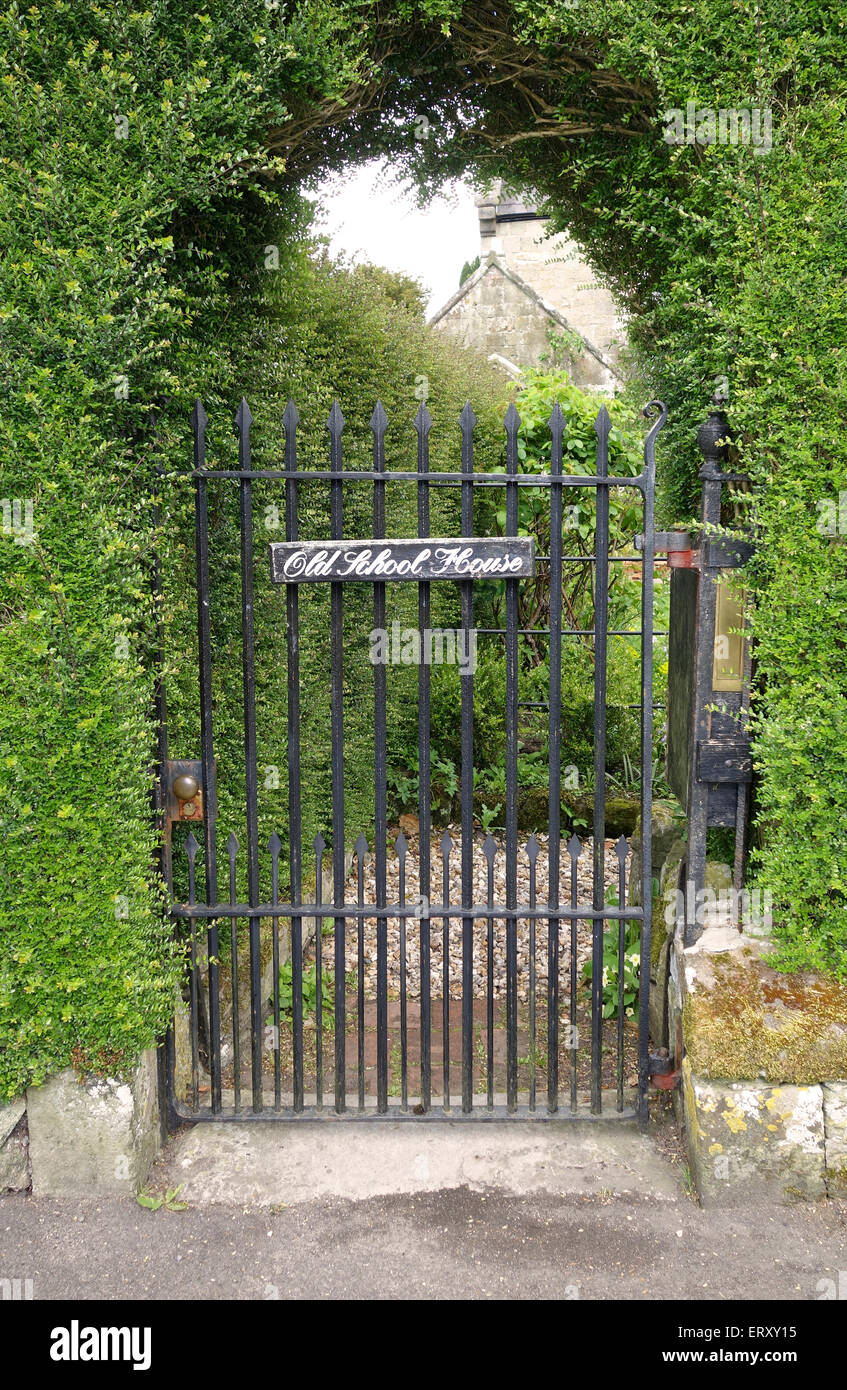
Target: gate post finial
(709, 436)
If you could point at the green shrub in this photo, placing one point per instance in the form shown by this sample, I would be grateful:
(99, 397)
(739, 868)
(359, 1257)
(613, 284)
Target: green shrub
(149, 165)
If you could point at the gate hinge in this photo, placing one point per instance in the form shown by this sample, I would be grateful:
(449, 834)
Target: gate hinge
(675, 544)
(660, 1070)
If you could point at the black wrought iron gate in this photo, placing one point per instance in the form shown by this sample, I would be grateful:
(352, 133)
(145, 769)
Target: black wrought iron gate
(425, 987)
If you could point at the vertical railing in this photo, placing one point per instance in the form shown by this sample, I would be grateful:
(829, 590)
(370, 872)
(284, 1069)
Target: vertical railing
(199, 421)
(574, 851)
(446, 846)
(467, 422)
(423, 424)
(243, 421)
(336, 425)
(532, 855)
(554, 731)
(275, 848)
(319, 847)
(512, 426)
(191, 848)
(232, 852)
(379, 424)
(621, 851)
(648, 553)
(290, 420)
(360, 850)
(601, 612)
(400, 847)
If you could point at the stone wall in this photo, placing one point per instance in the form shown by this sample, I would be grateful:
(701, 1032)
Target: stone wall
(75, 1136)
(762, 1058)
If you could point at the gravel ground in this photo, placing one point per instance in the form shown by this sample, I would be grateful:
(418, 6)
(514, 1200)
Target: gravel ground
(581, 932)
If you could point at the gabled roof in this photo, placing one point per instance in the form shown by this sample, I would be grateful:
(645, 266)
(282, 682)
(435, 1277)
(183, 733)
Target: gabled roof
(494, 262)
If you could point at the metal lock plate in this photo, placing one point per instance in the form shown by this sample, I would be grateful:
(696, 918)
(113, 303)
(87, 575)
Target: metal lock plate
(176, 808)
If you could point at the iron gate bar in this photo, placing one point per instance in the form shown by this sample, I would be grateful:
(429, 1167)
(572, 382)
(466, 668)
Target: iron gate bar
(243, 422)
(568, 632)
(532, 853)
(336, 425)
(290, 422)
(574, 850)
(195, 912)
(364, 475)
(370, 1114)
(275, 845)
(488, 850)
(232, 851)
(361, 849)
(191, 848)
(400, 846)
(206, 1020)
(654, 407)
(379, 424)
(601, 608)
(423, 423)
(621, 850)
(446, 846)
(319, 847)
(467, 421)
(512, 423)
(199, 422)
(554, 730)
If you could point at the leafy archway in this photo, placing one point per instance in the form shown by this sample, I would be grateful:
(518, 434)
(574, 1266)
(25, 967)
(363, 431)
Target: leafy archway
(149, 159)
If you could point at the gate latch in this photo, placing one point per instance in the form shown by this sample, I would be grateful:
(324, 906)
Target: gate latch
(183, 790)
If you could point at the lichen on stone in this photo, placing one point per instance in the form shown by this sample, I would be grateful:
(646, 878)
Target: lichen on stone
(751, 1023)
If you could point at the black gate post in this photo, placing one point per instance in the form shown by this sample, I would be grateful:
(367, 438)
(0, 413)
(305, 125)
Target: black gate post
(709, 760)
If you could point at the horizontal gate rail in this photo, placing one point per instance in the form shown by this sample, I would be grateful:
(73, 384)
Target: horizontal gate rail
(206, 912)
(265, 1061)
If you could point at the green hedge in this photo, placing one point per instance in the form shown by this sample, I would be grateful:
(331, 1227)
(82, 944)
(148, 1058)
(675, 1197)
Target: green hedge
(137, 203)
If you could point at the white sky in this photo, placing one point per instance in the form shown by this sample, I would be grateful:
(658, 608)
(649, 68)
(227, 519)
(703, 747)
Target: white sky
(372, 219)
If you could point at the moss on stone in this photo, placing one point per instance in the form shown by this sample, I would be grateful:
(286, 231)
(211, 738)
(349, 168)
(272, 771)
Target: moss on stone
(753, 1023)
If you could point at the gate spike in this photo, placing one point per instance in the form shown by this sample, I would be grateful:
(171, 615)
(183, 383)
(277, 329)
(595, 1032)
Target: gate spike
(290, 417)
(467, 419)
(335, 423)
(191, 847)
(512, 420)
(602, 424)
(379, 420)
(532, 849)
(556, 421)
(446, 844)
(361, 847)
(232, 844)
(199, 418)
(319, 844)
(243, 418)
(622, 849)
(574, 846)
(423, 420)
(274, 845)
(401, 845)
(489, 849)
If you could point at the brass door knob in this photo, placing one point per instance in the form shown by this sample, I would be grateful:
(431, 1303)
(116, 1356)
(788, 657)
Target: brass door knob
(185, 788)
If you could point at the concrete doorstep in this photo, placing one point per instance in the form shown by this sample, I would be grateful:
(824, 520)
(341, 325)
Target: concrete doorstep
(262, 1164)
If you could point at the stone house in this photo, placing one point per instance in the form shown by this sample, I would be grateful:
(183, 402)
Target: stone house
(526, 285)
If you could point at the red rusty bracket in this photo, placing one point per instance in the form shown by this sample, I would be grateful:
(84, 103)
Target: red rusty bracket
(676, 545)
